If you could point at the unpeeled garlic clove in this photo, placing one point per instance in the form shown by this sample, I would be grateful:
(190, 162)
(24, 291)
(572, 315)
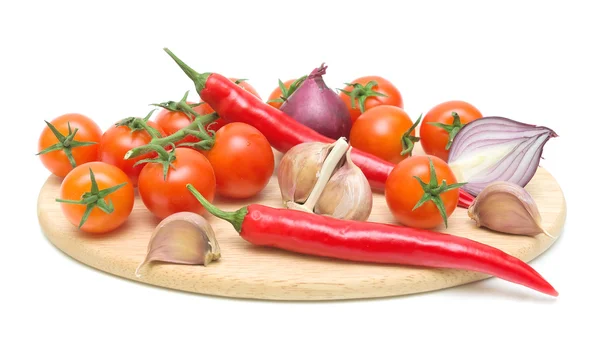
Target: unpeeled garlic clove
(507, 207)
(346, 188)
(299, 170)
(182, 238)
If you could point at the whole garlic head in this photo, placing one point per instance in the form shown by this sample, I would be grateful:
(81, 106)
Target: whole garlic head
(321, 178)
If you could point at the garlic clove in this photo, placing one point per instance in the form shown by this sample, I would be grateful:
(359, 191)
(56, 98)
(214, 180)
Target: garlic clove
(507, 207)
(347, 195)
(299, 170)
(182, 238)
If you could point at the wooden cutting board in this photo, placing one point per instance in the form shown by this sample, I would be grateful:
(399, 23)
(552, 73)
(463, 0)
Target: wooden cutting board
(247, 271)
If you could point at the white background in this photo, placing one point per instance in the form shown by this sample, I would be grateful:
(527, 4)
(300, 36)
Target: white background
(536, 62)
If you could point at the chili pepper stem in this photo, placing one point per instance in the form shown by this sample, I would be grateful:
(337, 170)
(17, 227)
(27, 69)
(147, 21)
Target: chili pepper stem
(236, 218)
(199, 79)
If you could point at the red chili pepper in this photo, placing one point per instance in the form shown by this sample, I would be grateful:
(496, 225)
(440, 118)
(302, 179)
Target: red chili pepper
(234, 104)
(325, 236)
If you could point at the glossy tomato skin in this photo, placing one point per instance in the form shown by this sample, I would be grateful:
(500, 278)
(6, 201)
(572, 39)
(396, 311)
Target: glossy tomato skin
(118, 140)
(394, 97)
(172, 121)
(434, 139)
(88, 130)
(165, 197)
(276, 93)
(242, 159)
(379, 131)
(77, 182)
(403, 191)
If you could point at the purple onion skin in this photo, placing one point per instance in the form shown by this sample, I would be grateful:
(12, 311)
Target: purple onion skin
(316, 106)
(495, 130)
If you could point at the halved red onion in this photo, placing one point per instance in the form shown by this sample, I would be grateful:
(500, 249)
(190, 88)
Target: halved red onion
(497, 149)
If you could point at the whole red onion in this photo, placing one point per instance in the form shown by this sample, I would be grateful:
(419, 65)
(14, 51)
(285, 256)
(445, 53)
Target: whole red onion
(317, 106)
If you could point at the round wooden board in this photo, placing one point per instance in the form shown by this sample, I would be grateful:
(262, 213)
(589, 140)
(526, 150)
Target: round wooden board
(247, 271)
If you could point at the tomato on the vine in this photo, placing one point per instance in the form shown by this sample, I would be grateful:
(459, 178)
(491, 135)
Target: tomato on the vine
(242, 159)
(369, 92)
(441, 124)
(97, 197)
(121, 138)
(283, 92)
(164, 197)
(172, 121)
(68, 141)
(427, 200)
(386, 132)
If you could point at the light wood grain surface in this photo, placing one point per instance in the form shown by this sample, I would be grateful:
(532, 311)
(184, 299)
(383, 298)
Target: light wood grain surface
(247, 271)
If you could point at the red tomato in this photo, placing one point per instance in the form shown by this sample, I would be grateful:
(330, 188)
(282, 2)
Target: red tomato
(245, 85)
(243, 160)
(165, 197)
(379, 131)
(435, 139)
(87, 131)
(172, 121)
(78, 183)
(118, 140)
(277, 93)
(403, 192)
(394, 98)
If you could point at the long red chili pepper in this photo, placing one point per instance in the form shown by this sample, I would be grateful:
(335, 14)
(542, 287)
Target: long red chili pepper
(234, 104)
(325, 236)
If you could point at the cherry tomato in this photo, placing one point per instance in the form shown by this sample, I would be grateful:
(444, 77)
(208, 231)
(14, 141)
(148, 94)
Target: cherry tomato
(277, 93)
(117, 140)
(172, 121)
(403, 191)
(380, 130)
(435, 139)
(165, 197)
(383, 86)
(245, 85)
(57, 161)
(242, 159)
(79, 182)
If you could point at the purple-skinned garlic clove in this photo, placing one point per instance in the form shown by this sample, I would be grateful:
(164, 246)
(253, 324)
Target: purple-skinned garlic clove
(182, 238)
(508, 208)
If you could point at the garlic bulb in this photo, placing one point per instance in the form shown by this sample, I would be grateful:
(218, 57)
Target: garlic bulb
(507, 207)
(321, 178)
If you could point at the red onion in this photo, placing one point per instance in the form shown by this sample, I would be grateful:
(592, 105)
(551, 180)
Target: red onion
(317, 106)
(497, 149)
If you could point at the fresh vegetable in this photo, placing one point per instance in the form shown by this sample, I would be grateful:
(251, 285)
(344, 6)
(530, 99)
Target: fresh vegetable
(282, 131)
(96, 197)
(318, 107)
(242, 159)
(442, 123)
(174, 116)
(122, 137)
(386, 132)
(508, 208)
(367, 92)
(162, 181)
(68, 141)
(325, 236)
(321, 178)
(280, 94)
(497, 149)
(422, 192)
(182, 238)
